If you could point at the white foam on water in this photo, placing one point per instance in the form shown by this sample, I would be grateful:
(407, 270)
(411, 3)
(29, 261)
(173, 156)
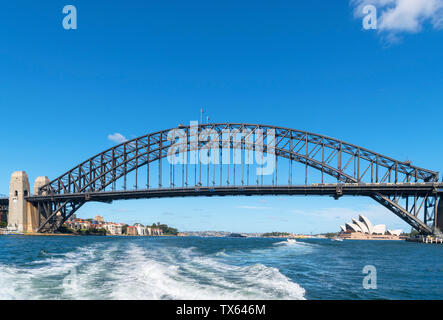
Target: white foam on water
(53, 277)
(293, 242)
(286, 243)
(8, 276)
(281, 249)
(129, 271)
(222, 253)
(180, 274)
(91, 280)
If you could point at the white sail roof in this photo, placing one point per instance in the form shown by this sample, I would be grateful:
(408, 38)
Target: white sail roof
(367, 222)
(353, 227)
(362, 226)
(396, 232)
(379, 229)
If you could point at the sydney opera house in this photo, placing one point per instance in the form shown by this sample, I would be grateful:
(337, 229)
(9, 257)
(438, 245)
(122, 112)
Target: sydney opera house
(364, 229)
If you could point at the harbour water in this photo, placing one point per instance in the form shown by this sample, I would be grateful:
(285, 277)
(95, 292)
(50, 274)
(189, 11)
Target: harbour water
(89, 267)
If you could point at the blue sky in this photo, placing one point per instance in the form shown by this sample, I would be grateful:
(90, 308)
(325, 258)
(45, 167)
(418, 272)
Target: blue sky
(138, 67)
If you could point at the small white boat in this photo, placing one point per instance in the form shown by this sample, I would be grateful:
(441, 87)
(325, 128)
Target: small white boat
(291, 241)
(337, 239)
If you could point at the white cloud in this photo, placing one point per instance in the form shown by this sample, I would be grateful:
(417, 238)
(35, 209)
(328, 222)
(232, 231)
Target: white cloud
(403, 16)
(117, 138)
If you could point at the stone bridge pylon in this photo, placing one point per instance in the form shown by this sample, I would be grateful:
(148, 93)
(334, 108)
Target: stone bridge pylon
(23, 215)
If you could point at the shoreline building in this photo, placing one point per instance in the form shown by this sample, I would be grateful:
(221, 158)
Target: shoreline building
(114, 229)
(141, 229)
(147, 231)
(131, 230)
(363, 229)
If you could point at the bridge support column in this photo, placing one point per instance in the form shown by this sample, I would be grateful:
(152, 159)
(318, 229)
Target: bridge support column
(439, 217)
(33, 214)
(23, 215)
(18, 190)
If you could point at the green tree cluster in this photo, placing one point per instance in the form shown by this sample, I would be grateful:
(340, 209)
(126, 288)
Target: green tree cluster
(167, 230)
(275, 234)
(83, 232)
(331, 234)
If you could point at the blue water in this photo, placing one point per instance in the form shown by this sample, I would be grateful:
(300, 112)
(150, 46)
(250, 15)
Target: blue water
(215, 268)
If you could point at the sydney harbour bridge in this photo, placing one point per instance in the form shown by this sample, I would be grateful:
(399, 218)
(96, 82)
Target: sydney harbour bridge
(228, 159)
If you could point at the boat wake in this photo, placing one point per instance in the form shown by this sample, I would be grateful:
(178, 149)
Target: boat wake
(131, 271)
(286, 242)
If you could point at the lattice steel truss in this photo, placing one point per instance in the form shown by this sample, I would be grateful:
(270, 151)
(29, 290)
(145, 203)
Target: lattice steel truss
(378, 176)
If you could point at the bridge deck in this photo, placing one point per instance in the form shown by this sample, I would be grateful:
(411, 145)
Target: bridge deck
(332, 189)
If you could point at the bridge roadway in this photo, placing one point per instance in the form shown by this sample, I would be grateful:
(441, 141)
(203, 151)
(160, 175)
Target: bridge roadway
(330, 189)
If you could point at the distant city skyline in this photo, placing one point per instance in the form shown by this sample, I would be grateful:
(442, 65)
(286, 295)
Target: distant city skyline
(129, 70)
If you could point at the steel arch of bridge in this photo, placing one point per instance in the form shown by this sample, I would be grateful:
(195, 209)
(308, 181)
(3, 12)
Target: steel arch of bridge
(408, 191)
